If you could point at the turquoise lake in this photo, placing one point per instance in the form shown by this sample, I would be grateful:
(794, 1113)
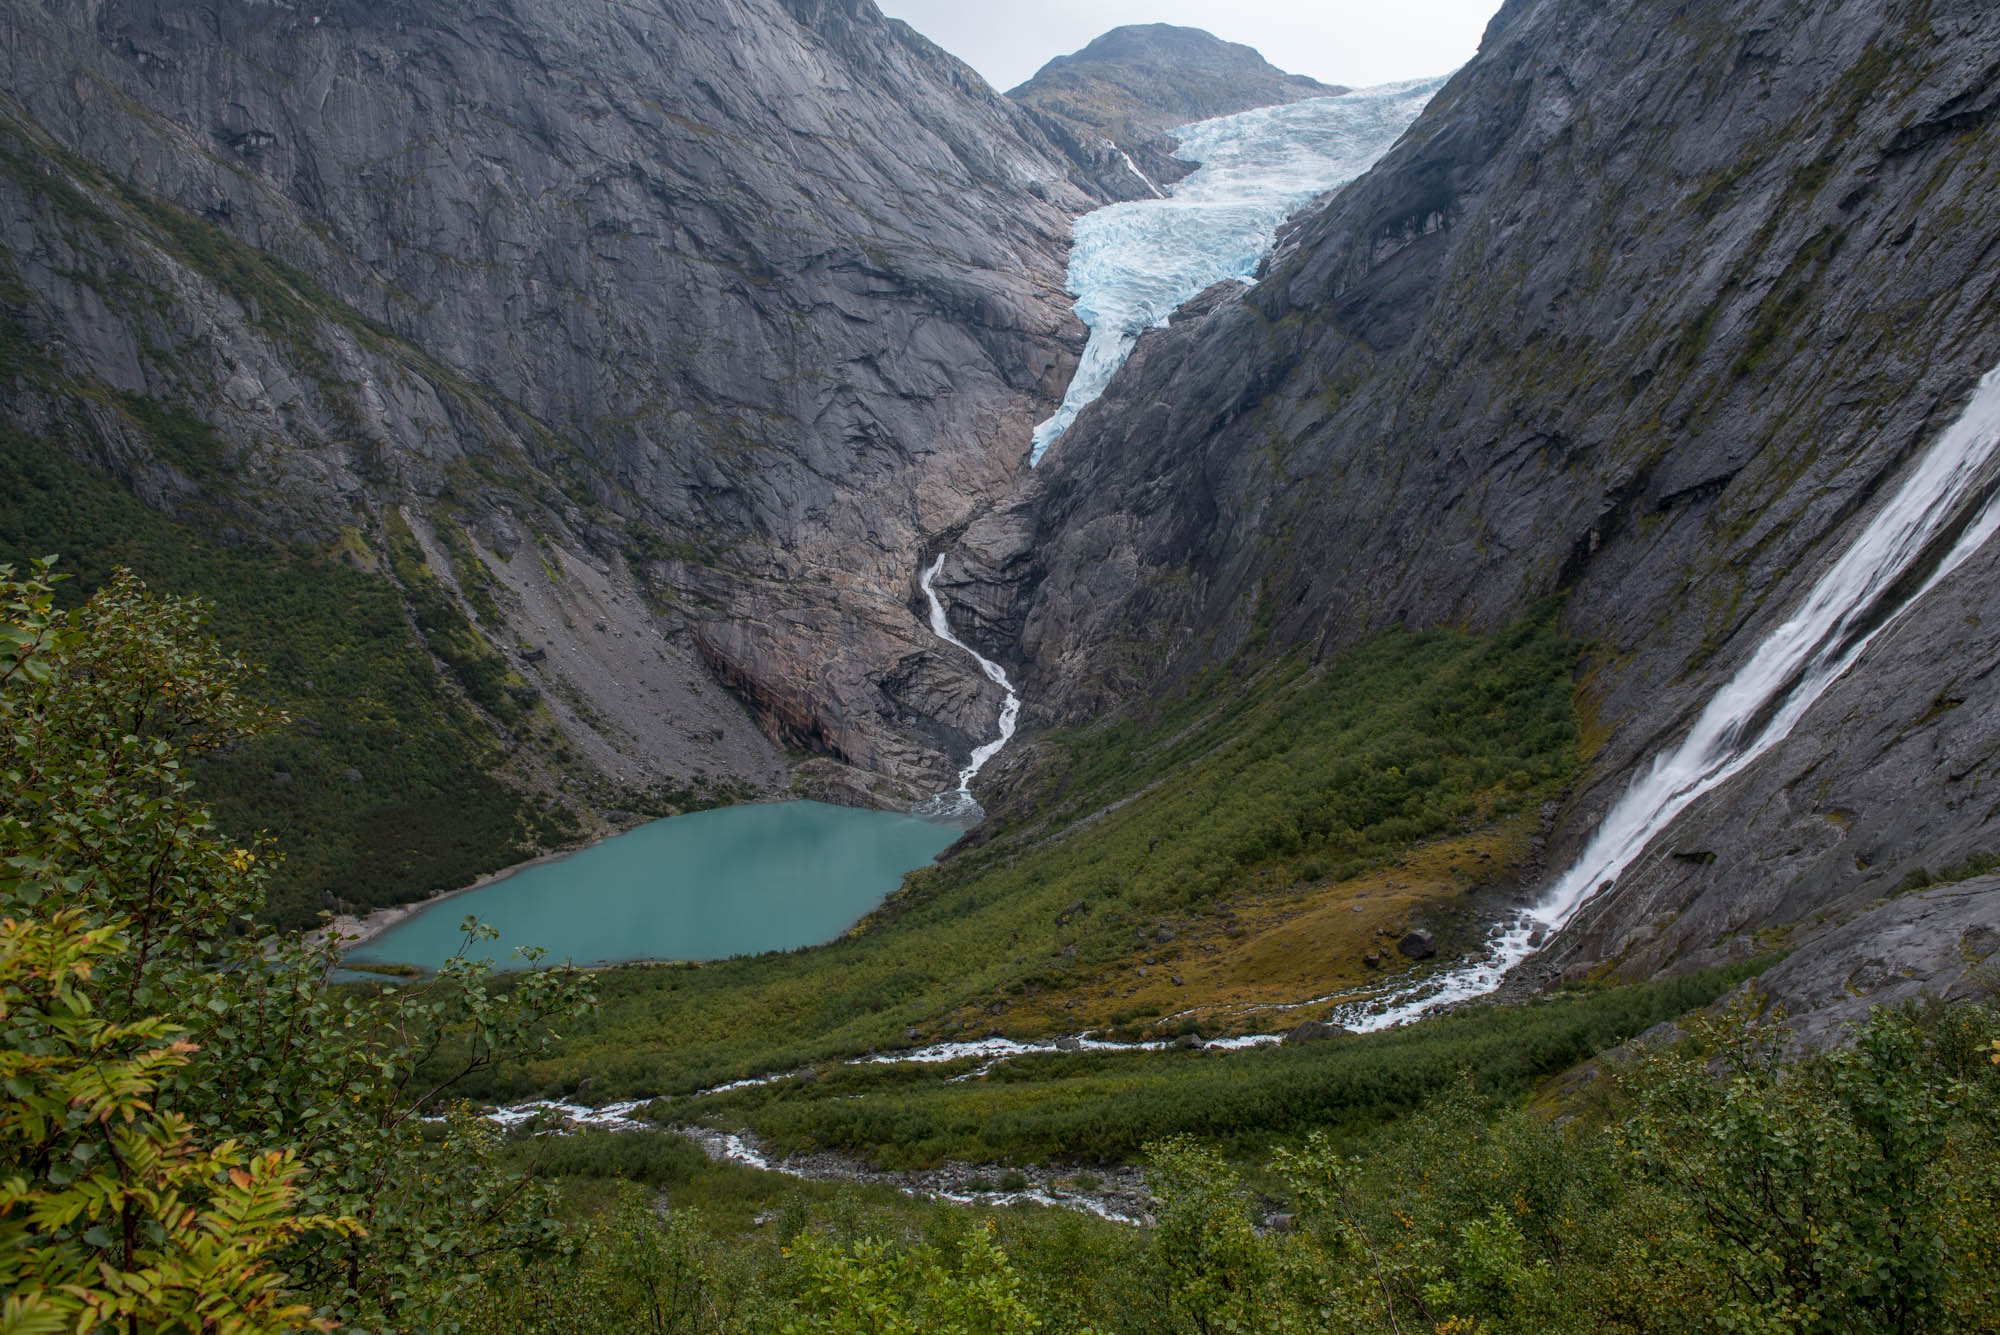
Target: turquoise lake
(734, 881)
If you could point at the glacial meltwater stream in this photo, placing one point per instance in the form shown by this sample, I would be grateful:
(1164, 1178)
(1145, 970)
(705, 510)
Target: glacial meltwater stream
(959, 804)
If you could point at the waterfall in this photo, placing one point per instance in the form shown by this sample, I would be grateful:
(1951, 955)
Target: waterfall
(1757, 709)
(959, 804)
(1133, 167)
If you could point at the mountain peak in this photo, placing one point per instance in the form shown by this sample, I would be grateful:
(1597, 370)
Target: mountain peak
(1169, 44)
(1134, 84)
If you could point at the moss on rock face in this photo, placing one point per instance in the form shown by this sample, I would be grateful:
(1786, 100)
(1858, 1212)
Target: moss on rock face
(382, 790)
(282, 301)
(181, 438)
(484, 674)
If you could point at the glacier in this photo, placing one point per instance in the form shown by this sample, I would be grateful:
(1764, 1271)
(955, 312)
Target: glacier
(1133, 264)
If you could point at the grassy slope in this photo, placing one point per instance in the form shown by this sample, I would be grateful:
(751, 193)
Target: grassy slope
(1106, 1107)
(1291, 778)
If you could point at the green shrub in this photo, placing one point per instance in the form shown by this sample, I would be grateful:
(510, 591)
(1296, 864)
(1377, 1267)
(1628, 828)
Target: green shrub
(337, 654)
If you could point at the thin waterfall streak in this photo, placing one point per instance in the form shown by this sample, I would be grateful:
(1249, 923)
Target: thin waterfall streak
(1783, 679)
(1133, 167)
(960, 802)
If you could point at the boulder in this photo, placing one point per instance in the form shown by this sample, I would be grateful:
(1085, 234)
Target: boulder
(1417, 945)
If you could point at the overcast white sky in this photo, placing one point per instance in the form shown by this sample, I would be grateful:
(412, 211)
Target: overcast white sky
(1357, 42)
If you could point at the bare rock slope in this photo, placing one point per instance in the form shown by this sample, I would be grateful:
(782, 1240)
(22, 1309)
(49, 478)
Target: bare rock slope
(699, 319)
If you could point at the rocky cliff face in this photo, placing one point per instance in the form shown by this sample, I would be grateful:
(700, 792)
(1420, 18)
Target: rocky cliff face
(1122, 93)
(1647, 313)
(673, 330)
(647, 348)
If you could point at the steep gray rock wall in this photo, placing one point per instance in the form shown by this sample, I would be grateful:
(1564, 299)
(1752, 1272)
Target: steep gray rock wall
(1649, 309)
(1942, 943)
(739, 302)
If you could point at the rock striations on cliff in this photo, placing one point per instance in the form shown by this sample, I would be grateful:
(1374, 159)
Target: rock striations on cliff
(701, 319)
(1647, 313)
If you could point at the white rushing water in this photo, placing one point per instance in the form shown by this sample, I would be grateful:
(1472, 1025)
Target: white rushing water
(729, 1147)
(611, 1117)
(1133, 167)
(960, 804)
(1790, 670)
(1133, 264)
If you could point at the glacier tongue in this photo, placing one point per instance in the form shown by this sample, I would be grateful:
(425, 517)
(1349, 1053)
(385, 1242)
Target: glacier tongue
(1133, 264)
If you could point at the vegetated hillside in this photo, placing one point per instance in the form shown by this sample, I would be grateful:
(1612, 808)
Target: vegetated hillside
(1125, 90)
(303, 1156)
(1648, 310)
(1241, 855)
(624, 352)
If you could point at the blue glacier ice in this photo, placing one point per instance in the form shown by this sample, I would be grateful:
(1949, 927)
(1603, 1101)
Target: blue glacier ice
(1133, 264)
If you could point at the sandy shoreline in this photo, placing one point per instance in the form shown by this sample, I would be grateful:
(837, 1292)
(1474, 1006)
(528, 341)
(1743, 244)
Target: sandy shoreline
(353, 930)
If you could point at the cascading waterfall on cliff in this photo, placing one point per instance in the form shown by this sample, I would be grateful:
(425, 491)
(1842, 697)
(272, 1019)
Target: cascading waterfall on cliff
(959, 804)
(1134, 264)
(1133, 167)
(1767, 697)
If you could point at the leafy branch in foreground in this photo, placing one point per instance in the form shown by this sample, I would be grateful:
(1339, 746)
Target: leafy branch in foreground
(366, 1199)
(131, 1221)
